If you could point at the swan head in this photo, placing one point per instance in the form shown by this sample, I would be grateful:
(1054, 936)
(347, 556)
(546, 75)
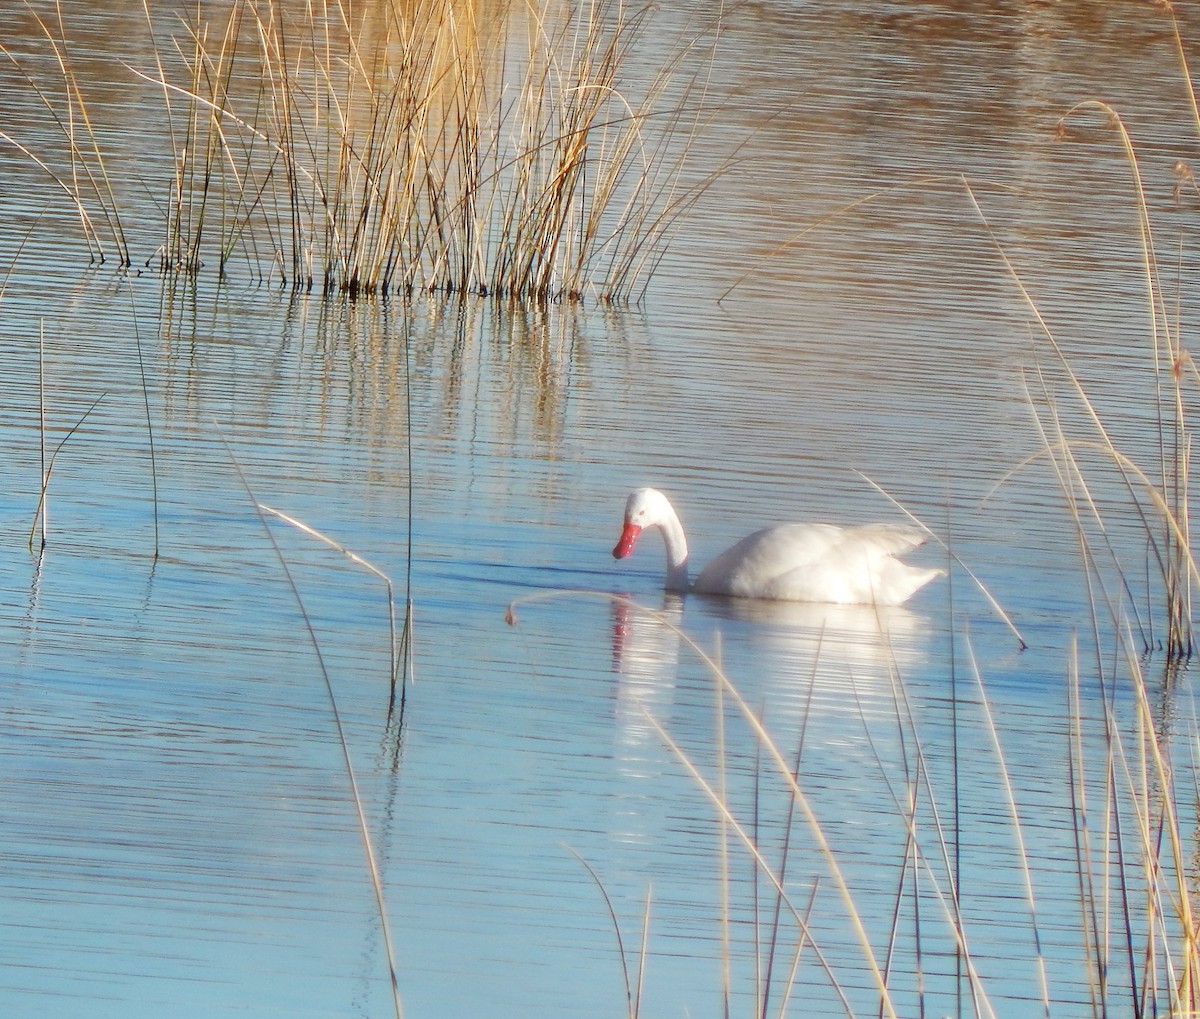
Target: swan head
(647, 507)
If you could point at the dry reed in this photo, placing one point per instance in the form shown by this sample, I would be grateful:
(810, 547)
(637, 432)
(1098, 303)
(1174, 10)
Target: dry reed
(371, 859)
(457, 146)
(1134, 822)
(453, 146)
(85, 179)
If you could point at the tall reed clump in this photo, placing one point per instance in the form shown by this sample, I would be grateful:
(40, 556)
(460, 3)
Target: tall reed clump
(1153, 469)
(433, 145)
(214, 185)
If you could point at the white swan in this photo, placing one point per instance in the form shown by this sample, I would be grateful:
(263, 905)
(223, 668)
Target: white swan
(792, 562)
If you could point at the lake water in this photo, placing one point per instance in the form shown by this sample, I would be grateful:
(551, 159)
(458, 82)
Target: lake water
(179, 835)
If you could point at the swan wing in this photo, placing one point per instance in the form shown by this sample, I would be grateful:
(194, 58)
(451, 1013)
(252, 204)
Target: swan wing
(820, 563)
(746, 569)
(885, 539)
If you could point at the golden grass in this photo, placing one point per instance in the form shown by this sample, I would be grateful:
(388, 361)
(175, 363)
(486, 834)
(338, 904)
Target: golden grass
(513, 150)
(1135, 823)
(457, 146)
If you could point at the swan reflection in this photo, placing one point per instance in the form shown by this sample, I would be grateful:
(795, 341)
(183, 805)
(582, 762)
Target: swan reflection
(789, 658)
(645, 655)
(825, 680)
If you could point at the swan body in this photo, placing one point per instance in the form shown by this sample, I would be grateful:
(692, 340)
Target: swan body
(791, 562)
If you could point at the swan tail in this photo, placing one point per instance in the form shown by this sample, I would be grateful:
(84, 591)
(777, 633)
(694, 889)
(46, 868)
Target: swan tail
(901, 583)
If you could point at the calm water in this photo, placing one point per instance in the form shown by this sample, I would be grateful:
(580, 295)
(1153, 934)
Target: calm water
(178, 834)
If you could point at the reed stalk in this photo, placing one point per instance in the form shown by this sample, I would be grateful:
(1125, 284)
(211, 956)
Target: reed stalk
(633, 980)
(145, 383)
(373, 868)
(48, 458)
(1173, 368)
(399, 671)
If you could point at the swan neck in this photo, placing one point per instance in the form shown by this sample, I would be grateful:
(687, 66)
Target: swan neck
(677, 552)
